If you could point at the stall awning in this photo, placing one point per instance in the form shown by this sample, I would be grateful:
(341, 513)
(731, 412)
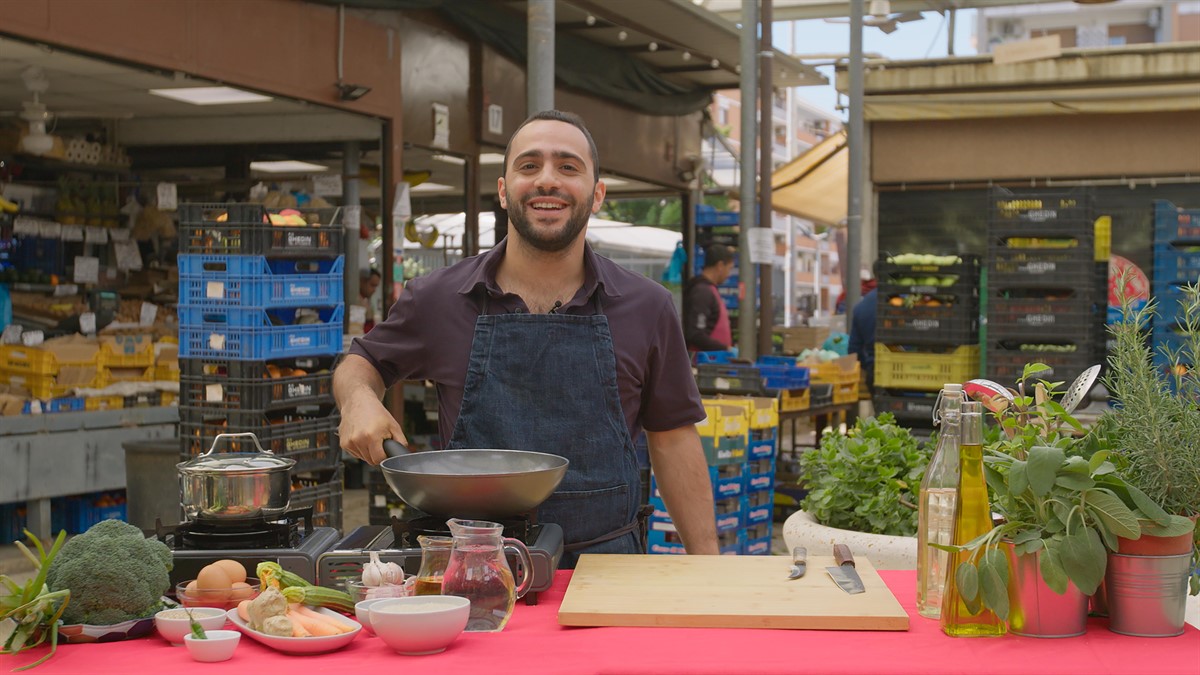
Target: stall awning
(813, 185)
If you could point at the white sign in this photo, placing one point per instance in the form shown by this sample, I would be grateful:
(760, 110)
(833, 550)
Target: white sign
(118, 233)
(358, 314)
(762, 245)
(87, 323)
(167, 198)
(95, 235)
(352, 218)
(495, 119)
(11, 334)
(27, 226)
(32, 338)
(72, 233)
(402, 206)
(327, 185)
(64, 290)
(128, 255)
(148, 314)
(87, 269)
(49, 229)
(441, 126)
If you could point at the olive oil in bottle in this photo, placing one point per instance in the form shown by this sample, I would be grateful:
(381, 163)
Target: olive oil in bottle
(935, 509)
(972, 517)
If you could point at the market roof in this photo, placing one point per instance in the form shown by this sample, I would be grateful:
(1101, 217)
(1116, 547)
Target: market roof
(796, 10)
(813, 185)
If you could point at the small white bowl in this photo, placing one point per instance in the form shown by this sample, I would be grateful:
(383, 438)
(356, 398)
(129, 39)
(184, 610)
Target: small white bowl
(421, 624)
(173, 624)
(218, 646)
(363, 614)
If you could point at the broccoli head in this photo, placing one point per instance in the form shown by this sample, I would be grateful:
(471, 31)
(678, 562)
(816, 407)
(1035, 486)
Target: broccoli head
(114, 573)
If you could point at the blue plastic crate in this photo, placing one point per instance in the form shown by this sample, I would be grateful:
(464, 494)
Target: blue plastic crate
(714, 357)
(758, 506)
(223, 339)
(12, 522)
(763, 448)
(1176, 265)
(1168, 297)
(1172, 223)
(255, 281)
(56, 405)
(708, 216)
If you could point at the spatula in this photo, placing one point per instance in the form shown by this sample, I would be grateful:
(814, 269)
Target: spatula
(1079, 388)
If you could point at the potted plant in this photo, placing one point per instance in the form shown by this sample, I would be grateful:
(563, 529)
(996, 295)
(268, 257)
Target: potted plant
(862, 491)
(1153, 431)
(1061, 505)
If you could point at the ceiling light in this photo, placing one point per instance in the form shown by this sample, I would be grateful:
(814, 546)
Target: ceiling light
(653, 46)
(449, 159)
(491, 158)
(715, 63)
(210, 95)
(432, 187)
(352, 92)
(622, 35)
(287, 166)
(591, 20)
(687, 56)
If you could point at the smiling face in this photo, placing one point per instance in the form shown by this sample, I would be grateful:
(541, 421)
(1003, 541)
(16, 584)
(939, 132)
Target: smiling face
(548, 187)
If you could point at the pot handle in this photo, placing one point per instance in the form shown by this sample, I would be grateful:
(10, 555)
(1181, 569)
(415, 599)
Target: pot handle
(244, 434)
(394, 448)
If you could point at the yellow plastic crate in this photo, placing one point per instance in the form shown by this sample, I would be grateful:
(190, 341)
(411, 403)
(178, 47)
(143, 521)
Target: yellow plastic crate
(47, 386)
(924, 371)
(791, 400)
(114, 357)
(104, 403)
(846, 392)
(838, 371)
(38, 362)
(170, 397)
(762, 412)
(166, 373)
(723, 419)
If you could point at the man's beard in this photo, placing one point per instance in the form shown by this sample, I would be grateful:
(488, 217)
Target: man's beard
(548, 241)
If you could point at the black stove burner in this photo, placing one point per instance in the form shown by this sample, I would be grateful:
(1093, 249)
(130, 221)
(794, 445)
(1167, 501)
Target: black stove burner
(238, 533)
(405, 532)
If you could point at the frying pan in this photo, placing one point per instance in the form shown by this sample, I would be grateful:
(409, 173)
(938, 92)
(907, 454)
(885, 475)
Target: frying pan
(487, 484)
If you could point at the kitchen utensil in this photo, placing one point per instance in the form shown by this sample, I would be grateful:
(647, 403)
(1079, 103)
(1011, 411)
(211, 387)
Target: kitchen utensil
(993, 396)
(845, 573)
(486, 484)
(1079, 388)
(799, 562)
(722, 591)
(216, 486)
(477, 570)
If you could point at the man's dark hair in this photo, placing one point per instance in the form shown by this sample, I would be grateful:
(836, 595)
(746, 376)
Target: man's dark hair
(560, 116)
(367, 274)
(717, 253)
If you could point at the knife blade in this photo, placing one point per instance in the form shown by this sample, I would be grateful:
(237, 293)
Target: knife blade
(845, 575)
(799, 562)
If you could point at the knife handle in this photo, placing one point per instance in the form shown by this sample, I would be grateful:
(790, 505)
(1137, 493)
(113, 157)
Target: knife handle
(842, 554)
(799, 555)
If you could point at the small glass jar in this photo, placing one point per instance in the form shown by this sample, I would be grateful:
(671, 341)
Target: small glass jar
(435, 554)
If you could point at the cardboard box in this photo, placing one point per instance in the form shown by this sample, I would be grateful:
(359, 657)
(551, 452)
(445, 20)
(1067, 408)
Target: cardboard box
(798, 338)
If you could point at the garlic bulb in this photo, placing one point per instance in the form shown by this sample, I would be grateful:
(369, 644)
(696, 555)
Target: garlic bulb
(378, 573)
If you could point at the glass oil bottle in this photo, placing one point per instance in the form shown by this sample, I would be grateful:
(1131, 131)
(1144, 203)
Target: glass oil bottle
(972, 517)
(939, 488)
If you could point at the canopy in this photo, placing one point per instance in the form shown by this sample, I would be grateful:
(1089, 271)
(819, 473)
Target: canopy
(814, 185)
(606, 236)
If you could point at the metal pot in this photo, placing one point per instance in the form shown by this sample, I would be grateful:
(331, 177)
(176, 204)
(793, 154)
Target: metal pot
(235, 485)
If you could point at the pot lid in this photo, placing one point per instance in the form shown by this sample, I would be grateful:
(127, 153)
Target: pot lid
(237, 462)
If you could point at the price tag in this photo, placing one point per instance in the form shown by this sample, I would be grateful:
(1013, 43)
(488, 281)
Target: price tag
(87, 270)
(214, 393)
(495, 117)
(72, 233)
(25, 225)
(87, 323)
(49, 230)
(762, 245)
(215, 290)
(328, 185)
(352, 218)
(216, 341)
(166, 197)
(63, 290)
(148, 314)
(441, 126)
(95, 235)
(118, 234)
(358, 314)
(32, 338)
(128, 255)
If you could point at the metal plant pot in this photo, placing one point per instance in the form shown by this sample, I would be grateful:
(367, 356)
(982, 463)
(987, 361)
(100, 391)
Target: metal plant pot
(1147, 595)
(235, 485)
(1037, 611)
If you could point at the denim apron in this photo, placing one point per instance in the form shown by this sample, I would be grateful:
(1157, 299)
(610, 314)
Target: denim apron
(548, 383)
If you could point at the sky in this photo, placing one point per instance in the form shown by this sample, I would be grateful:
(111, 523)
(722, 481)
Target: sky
(912, 40)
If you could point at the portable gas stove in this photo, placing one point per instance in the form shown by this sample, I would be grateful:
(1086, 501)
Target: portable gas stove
(290, 540)
(398, 543)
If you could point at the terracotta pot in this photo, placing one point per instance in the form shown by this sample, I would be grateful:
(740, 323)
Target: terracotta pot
(1152, 545)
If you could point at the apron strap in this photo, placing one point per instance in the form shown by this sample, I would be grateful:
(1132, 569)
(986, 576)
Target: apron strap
(636, 525)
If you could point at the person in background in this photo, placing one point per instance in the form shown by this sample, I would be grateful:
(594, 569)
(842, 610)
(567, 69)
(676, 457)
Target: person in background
(706, 325)
(368, 283)
(542, 345)
(862, 332)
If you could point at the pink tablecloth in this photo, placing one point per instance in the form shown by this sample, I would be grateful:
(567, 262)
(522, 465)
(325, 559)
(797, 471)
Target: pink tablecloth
(533, 642)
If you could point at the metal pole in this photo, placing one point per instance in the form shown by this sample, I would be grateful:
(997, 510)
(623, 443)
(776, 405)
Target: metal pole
(539, 89)
(857, 149)
(350, 198)
(951, 14)
(747, 339)
(766, 217)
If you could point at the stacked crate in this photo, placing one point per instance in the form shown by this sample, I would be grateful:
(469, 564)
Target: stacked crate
(758, 472)
(926, 331)
(1046, 297)
(260, 324)
(1176, 264)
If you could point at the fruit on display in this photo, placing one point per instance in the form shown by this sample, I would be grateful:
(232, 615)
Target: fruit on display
(924, 259)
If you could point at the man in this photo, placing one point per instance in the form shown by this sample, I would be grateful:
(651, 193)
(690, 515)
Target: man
(706, 321)
(542, 345)
(368, 283)
(862, 333)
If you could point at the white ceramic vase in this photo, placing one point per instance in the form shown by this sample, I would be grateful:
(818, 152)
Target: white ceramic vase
(885, 552)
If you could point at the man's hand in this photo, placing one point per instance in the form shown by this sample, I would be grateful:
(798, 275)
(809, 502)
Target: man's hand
(366, 423)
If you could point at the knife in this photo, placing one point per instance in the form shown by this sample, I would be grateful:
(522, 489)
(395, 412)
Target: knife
(844, 574)
(799, 562)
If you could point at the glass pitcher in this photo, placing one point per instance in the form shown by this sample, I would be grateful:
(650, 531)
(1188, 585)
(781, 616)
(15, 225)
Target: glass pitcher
(435, 554)
(479, 572)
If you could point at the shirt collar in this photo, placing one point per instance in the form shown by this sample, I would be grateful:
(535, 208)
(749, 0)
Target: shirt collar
(594, 273)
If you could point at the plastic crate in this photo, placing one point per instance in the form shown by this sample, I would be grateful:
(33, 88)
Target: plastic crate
(924, 370)
(255, 281)
(322, 491)
(12, 522)
(250, 385)
(1169, 297)
(820, 395)
(310, 440)
(1176, 264)
(217, 335)
(104, 403)
(729, 378)
(48, 386)
(1061, 317)
(1045, 211)
(37, 361)
(1006, 361)
(792, 400)
(1173, 223)
(954, 324)
(246, 229)
(911, 408)
(919, 277)
(37, 253)
(127, 351)
(1040, 268)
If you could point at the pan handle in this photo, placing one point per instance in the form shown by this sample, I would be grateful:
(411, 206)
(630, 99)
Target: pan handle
(394, 448)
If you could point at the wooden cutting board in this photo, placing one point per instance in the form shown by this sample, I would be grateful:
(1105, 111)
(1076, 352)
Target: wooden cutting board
(724, 592)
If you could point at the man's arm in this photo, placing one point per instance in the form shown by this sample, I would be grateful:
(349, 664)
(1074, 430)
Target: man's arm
(682, 476)
(358, 388)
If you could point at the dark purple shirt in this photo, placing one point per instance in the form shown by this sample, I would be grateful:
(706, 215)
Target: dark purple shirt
(428, 334)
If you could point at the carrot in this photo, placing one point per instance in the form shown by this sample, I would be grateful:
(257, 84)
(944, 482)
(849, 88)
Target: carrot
(244, 610)
(324, 619)
(310, 626)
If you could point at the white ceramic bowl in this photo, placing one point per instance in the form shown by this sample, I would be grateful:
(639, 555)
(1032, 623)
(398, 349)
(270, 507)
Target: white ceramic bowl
(218, 646)
(363, 614)
(173, 624)
(422, 624)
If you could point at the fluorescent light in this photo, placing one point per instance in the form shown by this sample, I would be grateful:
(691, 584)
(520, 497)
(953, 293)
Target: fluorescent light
(491, 158)
(449, 159)
(286, 166)
(431, 187)
(613, 180)
(210, 95)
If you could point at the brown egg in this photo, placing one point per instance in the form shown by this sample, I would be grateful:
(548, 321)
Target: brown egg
(241, 591)
(233, 569)
(213, 582)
